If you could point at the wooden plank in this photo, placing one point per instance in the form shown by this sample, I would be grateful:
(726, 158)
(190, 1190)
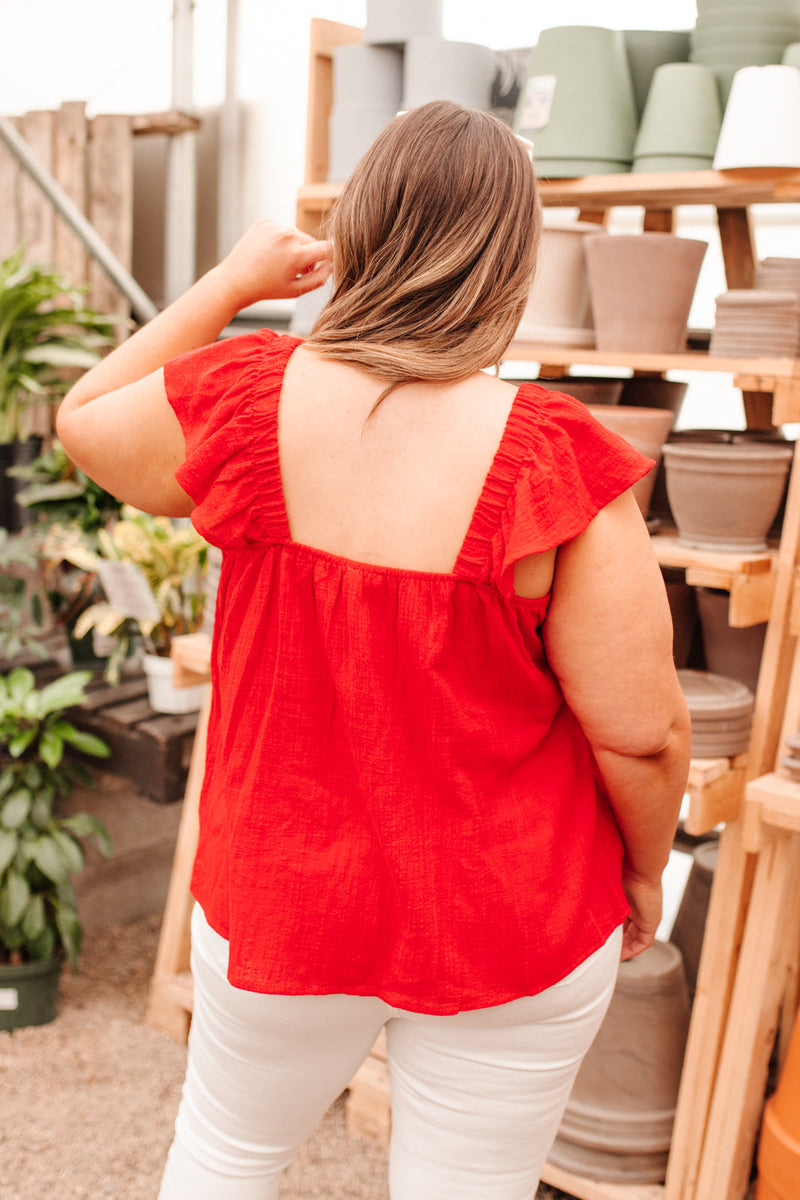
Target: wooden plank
(786, 402)
(670, 553)
(767, 372)
(171, 122)
(71, 138)
(191, 659)
(738, 246)
(110, 185)
(164, 1010)
(770, 938)
(658, 220)
(103, 695)
(325, 37)
(751, 599)
(595, 1189)
(10, 231)
(37, 216)
(777, 801)
(714, 803)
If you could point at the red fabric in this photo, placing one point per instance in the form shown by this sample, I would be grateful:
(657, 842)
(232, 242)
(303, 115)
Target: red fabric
(397, 800)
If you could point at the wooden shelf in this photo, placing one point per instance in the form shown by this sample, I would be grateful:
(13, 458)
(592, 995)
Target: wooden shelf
(773, 801)
(768, 371)
(750, 578)
(715, 788)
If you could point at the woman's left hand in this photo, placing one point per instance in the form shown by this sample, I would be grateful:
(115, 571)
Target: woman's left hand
(273, 262)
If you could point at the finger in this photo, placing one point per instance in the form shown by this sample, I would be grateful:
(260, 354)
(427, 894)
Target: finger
(312, 254)
(311, 280)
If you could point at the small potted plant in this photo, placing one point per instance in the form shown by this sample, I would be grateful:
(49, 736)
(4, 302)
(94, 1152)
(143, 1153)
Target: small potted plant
(46, 335)
(162, 595)
(40, 849)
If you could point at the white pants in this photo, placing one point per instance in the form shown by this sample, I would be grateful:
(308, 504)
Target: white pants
(477, 1097)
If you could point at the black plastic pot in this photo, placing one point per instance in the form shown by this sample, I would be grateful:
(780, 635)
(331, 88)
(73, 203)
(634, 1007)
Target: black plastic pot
(13, 454)
(29, 993)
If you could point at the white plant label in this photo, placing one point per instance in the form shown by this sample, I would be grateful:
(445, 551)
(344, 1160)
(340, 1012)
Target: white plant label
(9, 999)
(537, 102)
(128, 591)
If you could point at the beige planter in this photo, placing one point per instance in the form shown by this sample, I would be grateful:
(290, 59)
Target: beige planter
(647, 429)
(559, 310)
(642, 287)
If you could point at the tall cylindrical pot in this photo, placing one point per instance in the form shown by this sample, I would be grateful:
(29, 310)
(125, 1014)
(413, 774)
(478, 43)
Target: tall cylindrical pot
(559, 308)
(393, 24)
(730, 651)
(438, 69)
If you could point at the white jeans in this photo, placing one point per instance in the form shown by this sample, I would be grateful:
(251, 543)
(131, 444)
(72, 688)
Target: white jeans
(477, 1097)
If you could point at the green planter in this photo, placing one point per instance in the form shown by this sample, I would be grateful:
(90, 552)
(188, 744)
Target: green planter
(29, 993)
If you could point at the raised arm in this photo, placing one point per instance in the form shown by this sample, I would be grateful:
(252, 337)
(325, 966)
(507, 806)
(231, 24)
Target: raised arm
(116, 422)
(608, 636)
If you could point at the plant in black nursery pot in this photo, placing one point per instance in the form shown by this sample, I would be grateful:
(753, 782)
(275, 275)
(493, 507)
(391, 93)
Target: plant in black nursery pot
(40, 848)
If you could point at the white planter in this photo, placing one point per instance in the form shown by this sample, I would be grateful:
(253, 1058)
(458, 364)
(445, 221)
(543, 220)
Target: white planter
(367, 77)
(164, 696)
(436, 69)
(761, 126)
(390, 23)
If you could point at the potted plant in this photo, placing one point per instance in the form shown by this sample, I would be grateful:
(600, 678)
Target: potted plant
(39, 848)
(161, 594)
(56, 492)
(46, 335)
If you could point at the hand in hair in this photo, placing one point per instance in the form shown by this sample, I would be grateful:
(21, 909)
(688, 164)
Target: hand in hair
(274, 262)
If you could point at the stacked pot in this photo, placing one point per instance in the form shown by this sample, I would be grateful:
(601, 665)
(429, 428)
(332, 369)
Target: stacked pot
(403, 62)
(757, 323)
(729, 35)
(721, 712)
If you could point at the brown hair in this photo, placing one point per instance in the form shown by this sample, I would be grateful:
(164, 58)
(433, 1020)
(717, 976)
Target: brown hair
(434, 238)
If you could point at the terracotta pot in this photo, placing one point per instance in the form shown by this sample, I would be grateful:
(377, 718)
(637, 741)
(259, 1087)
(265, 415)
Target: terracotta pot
(559, 308)
(683, 609)
(623, 1101)
(690, 921)
(724, 497)
(735, 653)
(589, 389)
(642, 289)
(779, 1145)
(643, 392)
(646, 429)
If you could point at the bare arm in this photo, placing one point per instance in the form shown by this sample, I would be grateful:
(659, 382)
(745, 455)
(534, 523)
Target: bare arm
(116, 422)
(608, 636)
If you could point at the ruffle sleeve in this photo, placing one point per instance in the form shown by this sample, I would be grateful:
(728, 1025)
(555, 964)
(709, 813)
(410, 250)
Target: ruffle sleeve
(572, 468)
(224, 396)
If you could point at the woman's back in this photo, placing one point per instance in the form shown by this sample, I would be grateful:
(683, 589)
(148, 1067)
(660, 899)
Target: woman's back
(398, 488)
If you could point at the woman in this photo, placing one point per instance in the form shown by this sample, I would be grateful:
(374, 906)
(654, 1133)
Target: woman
(447, 746)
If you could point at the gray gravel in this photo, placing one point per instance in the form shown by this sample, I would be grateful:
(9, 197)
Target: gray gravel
(87, 1103)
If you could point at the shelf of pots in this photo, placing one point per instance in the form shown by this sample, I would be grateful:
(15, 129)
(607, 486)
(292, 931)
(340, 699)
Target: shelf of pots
(42, 757)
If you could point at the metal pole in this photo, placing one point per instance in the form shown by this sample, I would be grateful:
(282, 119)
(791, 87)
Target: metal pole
(181, 201)
(230, 139)
(143, 307)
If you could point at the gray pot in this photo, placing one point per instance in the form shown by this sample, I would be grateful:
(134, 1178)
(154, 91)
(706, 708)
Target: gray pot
(350, 135)
(682, 115)
(390, 23)
(436, 69)
(367, 77)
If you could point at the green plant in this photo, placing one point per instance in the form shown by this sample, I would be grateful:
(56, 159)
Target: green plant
(21, 616)
(46, 334)
(39, 849)
(172, 558)
(58, 492)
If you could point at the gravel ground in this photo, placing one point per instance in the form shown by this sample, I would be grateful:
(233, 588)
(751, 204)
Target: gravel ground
(88, 1102)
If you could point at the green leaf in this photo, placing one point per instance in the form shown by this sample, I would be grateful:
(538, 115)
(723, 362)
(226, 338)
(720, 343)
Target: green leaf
(33, 922)
(7, 778)
(70, 932)
(64, 692)
(48, 860)
(20, 682)
(61, 356)
(16, 809)
(70, 850)
(51, 748)
(14, 898)
(42, 811)
(19, 744)
(85, 825)
(8, 848)
(43, 947)
(87, 743)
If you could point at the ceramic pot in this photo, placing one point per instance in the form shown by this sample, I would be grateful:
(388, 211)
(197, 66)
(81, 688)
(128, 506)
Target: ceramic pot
(559, 309)
(682, 115)
(367, 77)
(683, 610)
(350, 135)
(436, 69)
(779, 1144)
(791, 56)
(724, 497)
(646, 429)
(623, 1101)
(761, 126)
(659, 164)
(164, 697)
(592, 115)
(29, 993)
(647, 50)
(589, 389)
(733, 652)
(690, 920)
(392, 24)
(578, 168)
(642, 287)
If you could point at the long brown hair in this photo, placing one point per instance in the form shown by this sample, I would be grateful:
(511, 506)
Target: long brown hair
(434, 238)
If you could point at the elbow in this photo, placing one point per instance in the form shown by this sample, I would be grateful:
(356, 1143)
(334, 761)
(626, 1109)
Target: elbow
(666, 739)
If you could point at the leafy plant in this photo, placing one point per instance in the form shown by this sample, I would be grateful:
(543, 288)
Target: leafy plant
(172, 557)
(58, 492)
(46, 334)
(21, 617)
(39, 849)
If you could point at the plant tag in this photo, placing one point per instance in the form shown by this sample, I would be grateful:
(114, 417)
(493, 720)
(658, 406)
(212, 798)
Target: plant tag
(128, 591)
(9, 999)
(537, 101)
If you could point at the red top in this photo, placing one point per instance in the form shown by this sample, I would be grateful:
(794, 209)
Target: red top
(397, 800)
